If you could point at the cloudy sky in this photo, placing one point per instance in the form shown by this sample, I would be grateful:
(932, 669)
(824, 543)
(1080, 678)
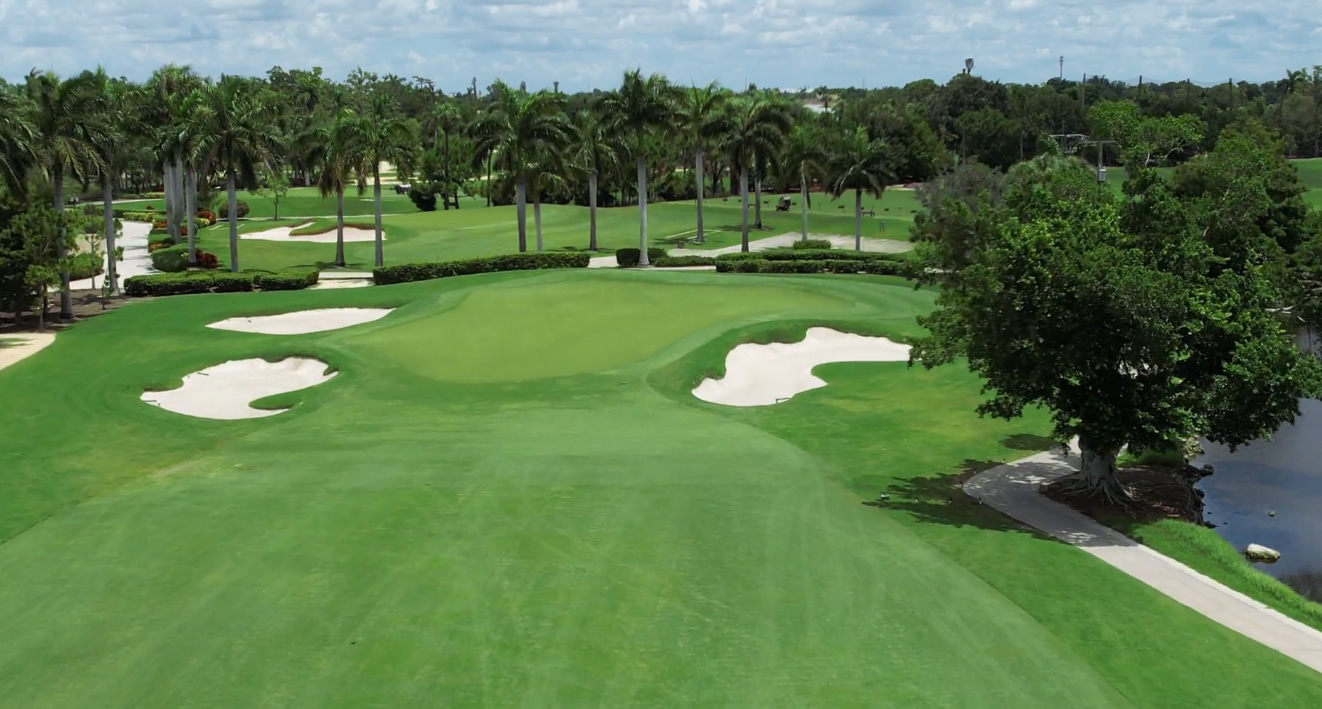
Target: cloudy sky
(586, 43)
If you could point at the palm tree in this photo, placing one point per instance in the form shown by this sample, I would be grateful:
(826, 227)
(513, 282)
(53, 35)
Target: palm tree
(109, 145)
(515, 130)
(383, 135)
(67, 130)
(595, 151)
(172, 86)
(18, 141)
(194, 148)
(1294, 78)
(545, 171)
(236, 125)
(702, 119)
(758, 126)
(635, 110)
(858, 163)
(339, 153)
(804, 160)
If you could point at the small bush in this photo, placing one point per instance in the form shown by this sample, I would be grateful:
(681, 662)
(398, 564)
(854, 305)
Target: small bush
(293, 279)
(152, 207)
(152, 195)
(407, 272)
(423, 199)
(875, 266)
(628, 258)
(208, 215)
(207, 260)
(85, 266)
(135, 216)
(170, 259)
(818, 244)
(226, 282)
(679, 261)
(241, 209)
(160, 224)
(814, 255)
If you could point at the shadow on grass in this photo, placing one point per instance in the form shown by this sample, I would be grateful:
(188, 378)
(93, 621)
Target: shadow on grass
(1029, 442)
(941, 499)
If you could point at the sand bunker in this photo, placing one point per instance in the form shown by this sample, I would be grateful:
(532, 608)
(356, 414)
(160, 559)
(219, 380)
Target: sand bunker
(302, 322)
(761, 375)
(283, 233)
(225, 391)
(16, 348)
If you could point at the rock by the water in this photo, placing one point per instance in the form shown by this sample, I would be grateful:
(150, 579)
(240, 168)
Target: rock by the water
(1257, 552)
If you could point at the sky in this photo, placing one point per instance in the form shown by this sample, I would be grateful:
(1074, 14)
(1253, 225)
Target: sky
(586, 44)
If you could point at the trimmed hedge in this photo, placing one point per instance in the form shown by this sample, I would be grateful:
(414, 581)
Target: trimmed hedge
(135, 216)
(818, 244)
(883, 267)
(86, 265)
(628, 258)
(679, 261)
(813, 255)
(171, 259)
(293, 279)
(241, 209)
(407, 272)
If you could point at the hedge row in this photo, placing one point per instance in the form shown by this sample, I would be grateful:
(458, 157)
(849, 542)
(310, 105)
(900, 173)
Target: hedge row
(874, 266)
(218, 282)
(678, 261)
(628, 258)
(819, 244)
(813, 255)
(407, 272)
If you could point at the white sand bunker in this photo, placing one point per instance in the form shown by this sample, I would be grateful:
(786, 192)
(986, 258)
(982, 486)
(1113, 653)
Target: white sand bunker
(302, 322)
(284, 233)
(225, 391)
(761, 375)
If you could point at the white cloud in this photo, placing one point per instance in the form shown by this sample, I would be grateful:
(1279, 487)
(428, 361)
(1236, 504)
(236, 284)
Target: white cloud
(585, 43)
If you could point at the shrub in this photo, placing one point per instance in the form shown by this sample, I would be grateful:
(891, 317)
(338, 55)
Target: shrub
(407, 272)
(678, 261)
(134, 216)
(170, 259)
(876, 266)
(207, 260)
(628, 258)
(152, 195)
(423, 197)
(208, 215)
(814, 255)
(818, 244)
(226, 282)
(152, 207)
(85, 266)
(160, 224)
(168, 284)
(241, 209)
(293, 279)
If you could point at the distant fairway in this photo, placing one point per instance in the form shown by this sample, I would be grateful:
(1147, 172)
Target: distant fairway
(508, 497)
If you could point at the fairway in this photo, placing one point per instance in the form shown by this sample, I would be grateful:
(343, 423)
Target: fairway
(508, 496)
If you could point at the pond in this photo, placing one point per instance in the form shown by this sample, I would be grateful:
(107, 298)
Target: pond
(1270, 493)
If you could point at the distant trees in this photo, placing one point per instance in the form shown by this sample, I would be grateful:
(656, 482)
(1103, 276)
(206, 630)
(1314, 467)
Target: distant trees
(636, 110)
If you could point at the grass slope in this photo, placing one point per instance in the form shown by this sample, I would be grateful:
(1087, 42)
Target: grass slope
(441, 527)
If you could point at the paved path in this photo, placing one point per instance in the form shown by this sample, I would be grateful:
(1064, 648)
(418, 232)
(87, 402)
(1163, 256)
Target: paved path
(1013, 489)
(137, 259)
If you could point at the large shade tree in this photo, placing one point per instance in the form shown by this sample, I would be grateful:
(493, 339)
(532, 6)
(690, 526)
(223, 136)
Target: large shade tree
(859, 163)
(236, 120)
(757, 125)
(67, 121)
(514, 131)
(1117, 316)
(640, 107)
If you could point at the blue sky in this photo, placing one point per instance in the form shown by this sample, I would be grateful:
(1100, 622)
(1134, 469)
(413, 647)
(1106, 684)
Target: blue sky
(587, 43)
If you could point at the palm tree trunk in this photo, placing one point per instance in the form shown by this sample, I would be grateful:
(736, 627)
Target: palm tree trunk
(537, 216)
(190, 212)
(489, 186)
(757, 202)
(376, 193)
(858, 220)
(521, 211)
(234, 223)
(66, 301)
(642, 212)
(803, 205)
(178, 174)
(697, 165)
(108, 213)
(592, 210)
(171, 203)
(743, 207)
(339, 226)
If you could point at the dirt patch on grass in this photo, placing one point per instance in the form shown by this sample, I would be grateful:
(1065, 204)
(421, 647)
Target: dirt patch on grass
(1158, 492)
(86, 304)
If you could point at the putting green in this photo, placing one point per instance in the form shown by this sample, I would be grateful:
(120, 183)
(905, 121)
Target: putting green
(480, 528)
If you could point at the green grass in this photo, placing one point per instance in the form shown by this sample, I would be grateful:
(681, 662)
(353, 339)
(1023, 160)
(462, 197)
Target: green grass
(492, 505)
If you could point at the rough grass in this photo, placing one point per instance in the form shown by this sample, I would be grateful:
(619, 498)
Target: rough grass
(585, 538)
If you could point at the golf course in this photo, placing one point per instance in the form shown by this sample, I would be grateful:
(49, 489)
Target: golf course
(507, 495)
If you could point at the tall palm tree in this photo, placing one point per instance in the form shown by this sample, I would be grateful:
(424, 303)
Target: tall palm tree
(595, 151)
(546, 172)
(194, 149)
(18, 141)
(109, 144)
(638, 108)
(340, 153)
(67, 130)
(1294, 78)
(236, 120)
(804, 160)
(702, 119)
(858, 163)
(758, 126)
(171, 86)
(513, 132)
(383, 135)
